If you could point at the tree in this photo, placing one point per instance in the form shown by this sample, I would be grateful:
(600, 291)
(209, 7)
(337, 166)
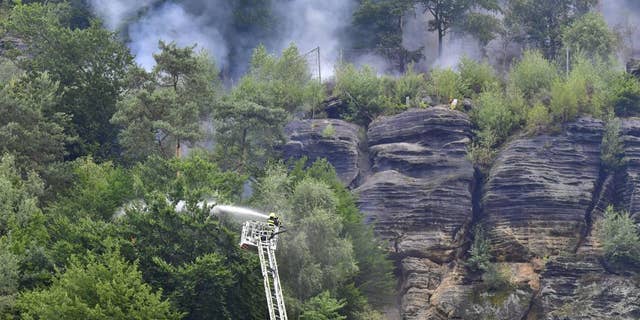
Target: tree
(591, 35)
(448, 13)
(620, 239)
(378, 25)
(612, 148)
(323, 307)
(89, 64)
(533, 76)
(165, 107)
(541, 22)
(35, 136)
(361, 89)
(107, 287)
(247, 134)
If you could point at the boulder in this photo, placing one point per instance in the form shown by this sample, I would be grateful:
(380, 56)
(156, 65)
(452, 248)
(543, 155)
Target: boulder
(335, 140)
(540, 192)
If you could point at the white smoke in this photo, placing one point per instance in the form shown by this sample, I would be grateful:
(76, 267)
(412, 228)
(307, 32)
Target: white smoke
(171, 22)
(115, 13)
(147, 22)
(623, 16)
(316, 23)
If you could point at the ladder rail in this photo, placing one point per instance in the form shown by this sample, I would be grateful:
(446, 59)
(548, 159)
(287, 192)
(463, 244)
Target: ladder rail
(267, 285)
(276, 283)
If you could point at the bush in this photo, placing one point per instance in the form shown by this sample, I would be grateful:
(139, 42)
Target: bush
(496, 278)
(624, 95)
(495, 117)
(445, 84)
(619, 238)
(476, 77)
(361, 89)
(533, 75)
(410, 85)
(611, 149)
(565, 98)
(538, 118)
(479, 252)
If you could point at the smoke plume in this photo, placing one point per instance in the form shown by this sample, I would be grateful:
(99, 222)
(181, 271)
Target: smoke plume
(210, 24)
(623, 16)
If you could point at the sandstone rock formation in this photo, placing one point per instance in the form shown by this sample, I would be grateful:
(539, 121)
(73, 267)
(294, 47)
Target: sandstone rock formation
(418, 196)
(335, 140)
(540, 190)
(540, 204)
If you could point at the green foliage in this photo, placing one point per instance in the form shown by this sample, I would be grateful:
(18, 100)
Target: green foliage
(620, 239)
(166, 108)
(283, 82)
(538, 118)
(495, 117)
(106, 287)
(445, 84)
(543, 21)
(533, 75)
(623, 93)
(410, 86)
(476, 77)
(450, 13)
(565, 99)
(192, 178)
(323, 307)
(329, 131)
(89, 64)
(194, 260)
(612, 148)
(247, 133)
(496, 278)
(327, 247)
(479, 253)
(377, 26)
(28, 128)
(361, 89)
(591, 35)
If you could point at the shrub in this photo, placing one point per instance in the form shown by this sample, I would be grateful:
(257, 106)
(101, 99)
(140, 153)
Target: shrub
(495, 117)
(496, 278)
(445, 84)
(410, 85)
(476, 77)
(624, 95)
(565, 97)
(533, 75)
(620, 239)
(361, 89)
(538, 118)
(329, 131)
(480, 256)
(611, 149)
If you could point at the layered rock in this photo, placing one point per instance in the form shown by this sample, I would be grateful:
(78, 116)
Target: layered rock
(540, 192)
(418, 195)
(335, 140)
(581, 289)
(630, 178)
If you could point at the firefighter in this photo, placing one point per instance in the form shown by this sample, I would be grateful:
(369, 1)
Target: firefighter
(273, 220)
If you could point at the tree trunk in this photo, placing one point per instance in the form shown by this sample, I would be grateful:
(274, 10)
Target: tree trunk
(440, 36)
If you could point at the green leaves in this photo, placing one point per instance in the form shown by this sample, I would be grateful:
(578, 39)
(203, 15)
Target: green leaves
(620, 238)
(106, 287)
(164, 109)
(590, 34)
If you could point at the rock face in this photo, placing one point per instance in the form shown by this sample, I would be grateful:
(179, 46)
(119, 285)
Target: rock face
(539, 204)
(540, 191)
(418, 195)
(335, 140)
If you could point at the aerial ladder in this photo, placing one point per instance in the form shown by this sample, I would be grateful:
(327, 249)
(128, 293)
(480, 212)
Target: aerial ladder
(262, 237)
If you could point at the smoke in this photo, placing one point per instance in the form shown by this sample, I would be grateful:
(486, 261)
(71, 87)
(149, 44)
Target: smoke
(210, 24)
(146, 22)
(314, 23)
(415, 35)
(623, 16)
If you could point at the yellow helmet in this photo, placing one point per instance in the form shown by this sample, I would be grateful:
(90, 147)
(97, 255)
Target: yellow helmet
(272, 215)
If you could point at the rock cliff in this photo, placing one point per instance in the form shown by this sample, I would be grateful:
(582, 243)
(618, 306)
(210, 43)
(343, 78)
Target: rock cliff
(539, 203)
